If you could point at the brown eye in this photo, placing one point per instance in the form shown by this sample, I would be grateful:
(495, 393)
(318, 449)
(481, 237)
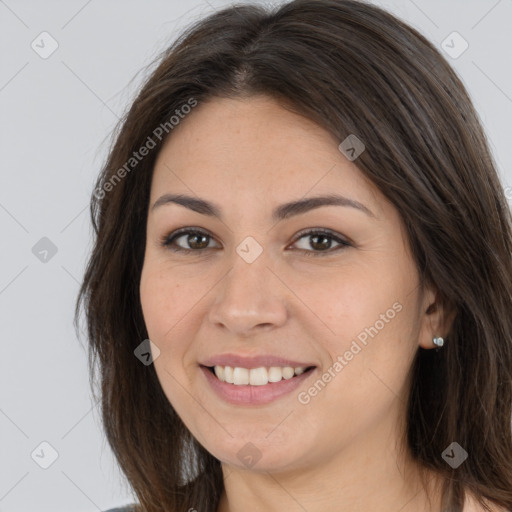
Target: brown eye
(320, 241)
(193, 239)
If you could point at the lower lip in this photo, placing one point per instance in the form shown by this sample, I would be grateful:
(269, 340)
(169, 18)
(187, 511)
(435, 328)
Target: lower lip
(254, 395)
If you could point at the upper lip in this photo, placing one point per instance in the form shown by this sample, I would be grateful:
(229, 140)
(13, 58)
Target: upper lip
(265, 360)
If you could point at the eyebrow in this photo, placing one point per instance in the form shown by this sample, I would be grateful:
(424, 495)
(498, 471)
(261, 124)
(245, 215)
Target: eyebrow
(282, 212)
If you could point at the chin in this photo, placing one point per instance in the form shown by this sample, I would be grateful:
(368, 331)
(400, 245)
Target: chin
(260, 454)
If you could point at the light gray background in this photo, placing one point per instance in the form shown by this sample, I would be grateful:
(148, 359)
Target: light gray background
(55, 115)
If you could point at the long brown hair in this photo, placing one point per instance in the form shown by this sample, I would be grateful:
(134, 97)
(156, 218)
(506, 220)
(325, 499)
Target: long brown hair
(354, 69)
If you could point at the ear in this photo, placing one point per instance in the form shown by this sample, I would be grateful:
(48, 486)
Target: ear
(436, 318)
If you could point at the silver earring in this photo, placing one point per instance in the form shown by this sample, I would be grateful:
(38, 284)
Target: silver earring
(438, 341)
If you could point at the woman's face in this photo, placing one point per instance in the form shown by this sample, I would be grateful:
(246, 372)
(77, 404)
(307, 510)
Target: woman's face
(260, 288)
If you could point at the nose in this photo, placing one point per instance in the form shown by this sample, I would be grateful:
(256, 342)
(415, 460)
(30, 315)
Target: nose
(250, 298)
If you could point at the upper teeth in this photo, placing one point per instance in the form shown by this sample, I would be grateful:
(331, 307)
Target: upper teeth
(255, 376)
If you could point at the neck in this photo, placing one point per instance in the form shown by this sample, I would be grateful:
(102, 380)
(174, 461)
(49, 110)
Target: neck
(370, 474)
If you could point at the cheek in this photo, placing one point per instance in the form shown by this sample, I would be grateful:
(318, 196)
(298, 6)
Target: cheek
(349, 302)
(166, 301)
(156, 298)
(371, 313)
(372, 354)
(165, 307)
(173, 300)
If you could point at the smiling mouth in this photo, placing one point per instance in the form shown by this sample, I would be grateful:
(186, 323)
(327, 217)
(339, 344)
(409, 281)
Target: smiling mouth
(257, 376)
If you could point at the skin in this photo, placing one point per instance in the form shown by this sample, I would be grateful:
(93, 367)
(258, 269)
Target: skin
(343, 450)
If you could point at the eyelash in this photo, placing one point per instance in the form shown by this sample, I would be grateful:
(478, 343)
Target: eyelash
(167, 241)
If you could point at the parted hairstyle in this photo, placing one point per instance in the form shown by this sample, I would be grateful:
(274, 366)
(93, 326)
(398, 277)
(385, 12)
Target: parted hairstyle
(353, 68)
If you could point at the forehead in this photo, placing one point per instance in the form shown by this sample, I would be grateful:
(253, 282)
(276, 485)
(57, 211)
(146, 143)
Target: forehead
(255, 148)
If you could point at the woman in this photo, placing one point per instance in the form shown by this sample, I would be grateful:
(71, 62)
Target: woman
(301, 212)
